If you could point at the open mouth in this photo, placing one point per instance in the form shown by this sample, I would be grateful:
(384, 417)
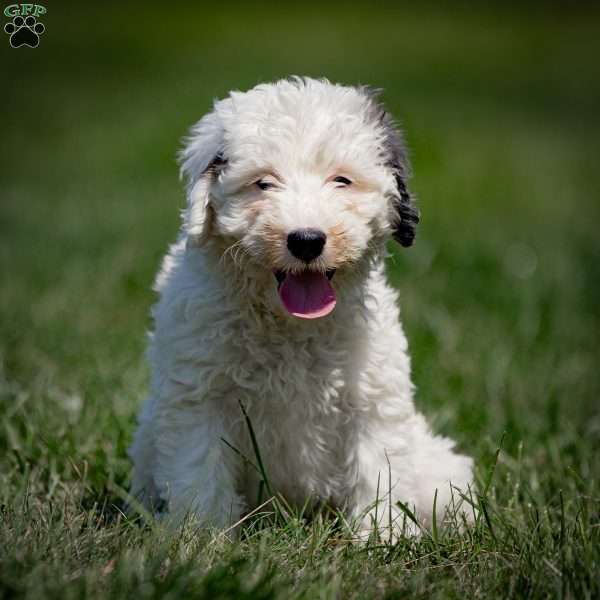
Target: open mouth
(307, 295)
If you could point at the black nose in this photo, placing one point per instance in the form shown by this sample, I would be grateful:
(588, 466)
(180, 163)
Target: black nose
(306, 244)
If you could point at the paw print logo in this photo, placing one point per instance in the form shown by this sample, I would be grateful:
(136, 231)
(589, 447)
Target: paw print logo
(24, 31)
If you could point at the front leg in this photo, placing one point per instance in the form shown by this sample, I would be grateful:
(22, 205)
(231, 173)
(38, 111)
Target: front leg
(196, 473)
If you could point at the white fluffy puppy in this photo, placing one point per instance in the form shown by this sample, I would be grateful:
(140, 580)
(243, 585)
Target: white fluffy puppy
(275, 296)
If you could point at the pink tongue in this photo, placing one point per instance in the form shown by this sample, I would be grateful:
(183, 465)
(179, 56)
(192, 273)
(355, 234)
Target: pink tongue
(308, 295)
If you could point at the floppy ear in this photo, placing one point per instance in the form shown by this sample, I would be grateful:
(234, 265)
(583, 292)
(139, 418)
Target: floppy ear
(200, 159)
(406, 217)
(405, 214)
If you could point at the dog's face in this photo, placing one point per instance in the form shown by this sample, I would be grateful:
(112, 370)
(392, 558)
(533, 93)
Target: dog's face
(298, 178)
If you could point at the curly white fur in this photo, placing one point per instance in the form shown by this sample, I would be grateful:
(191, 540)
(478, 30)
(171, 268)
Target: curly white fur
(330, 399)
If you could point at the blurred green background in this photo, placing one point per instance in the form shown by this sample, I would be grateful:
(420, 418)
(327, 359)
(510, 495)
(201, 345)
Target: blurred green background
(501, 111)
(500, 295)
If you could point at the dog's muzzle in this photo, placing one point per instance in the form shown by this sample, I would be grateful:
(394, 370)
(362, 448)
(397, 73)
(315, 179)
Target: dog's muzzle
(307, 294)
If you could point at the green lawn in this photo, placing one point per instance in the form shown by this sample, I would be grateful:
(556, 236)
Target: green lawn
(500, 295)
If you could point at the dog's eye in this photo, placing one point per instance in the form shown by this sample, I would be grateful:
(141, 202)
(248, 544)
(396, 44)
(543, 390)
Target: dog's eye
(342, 180)
(264, 185)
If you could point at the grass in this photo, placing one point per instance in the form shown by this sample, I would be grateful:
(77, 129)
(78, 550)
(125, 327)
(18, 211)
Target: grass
(500, 296)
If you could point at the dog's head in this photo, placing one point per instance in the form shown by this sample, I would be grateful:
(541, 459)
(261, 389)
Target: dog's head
(299, 178)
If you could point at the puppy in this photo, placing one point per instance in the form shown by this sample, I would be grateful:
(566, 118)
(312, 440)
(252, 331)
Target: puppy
(275, 299)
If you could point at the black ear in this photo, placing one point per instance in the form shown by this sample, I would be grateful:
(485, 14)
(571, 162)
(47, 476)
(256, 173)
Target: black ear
(405, 228)
(406, 217)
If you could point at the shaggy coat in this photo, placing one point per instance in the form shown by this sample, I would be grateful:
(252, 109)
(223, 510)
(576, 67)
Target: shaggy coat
(326, 383)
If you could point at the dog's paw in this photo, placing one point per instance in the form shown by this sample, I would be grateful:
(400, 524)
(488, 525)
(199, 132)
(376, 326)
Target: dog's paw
(24, 32)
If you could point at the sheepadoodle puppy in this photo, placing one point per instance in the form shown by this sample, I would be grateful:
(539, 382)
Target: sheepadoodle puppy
(275, 299)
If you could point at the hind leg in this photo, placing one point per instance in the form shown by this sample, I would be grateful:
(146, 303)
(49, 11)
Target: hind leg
(413, 468)
(439, 470)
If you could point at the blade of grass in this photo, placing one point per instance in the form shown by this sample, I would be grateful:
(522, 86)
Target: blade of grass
(255, 447)
(434, 528)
